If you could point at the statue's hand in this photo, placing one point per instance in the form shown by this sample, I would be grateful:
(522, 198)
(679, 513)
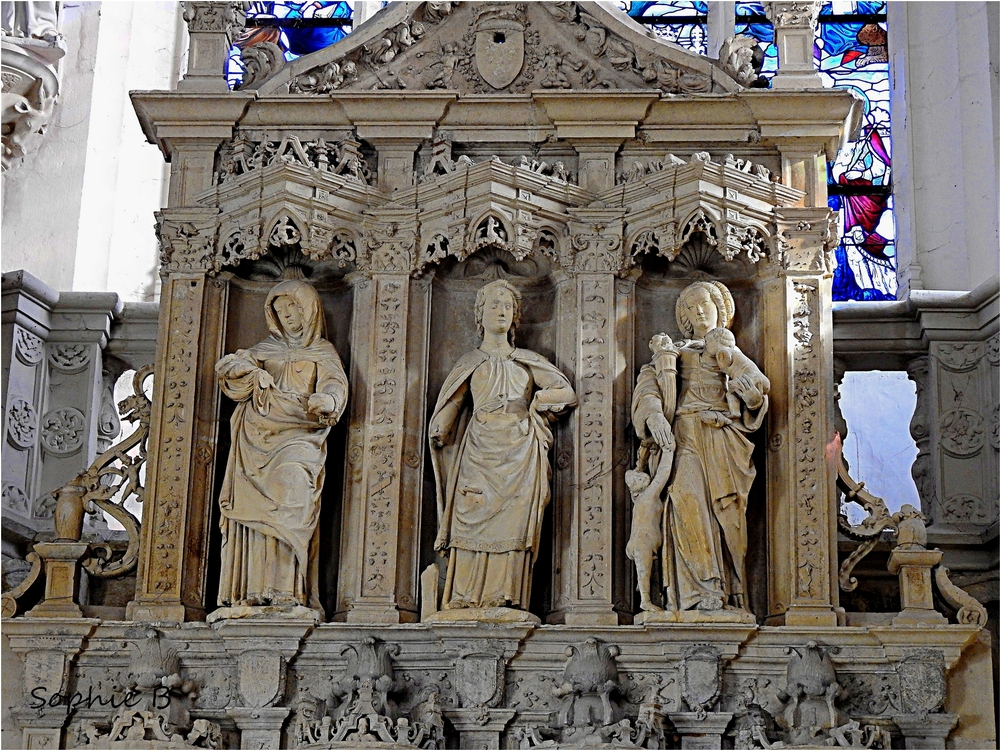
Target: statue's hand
(747, 390)
(264, 379)
(321, 404)
(234, 366)
(715, 419)
(659, 428)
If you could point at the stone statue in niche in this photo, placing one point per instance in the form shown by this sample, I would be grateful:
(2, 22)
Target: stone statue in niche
(490, 439)
(290, 389)
(693, 406)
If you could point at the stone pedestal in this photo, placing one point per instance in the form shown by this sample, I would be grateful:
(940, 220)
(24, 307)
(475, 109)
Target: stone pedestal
(62, 576)
(794, 30)
(260, 727)
(211, 27)
(926, 730)
(480, 727)
(915, 592)
(40, 732)
(703, 731)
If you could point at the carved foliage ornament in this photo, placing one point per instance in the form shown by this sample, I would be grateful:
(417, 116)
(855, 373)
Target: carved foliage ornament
(22, 423)
(513, 47)
(27, 346)
(63, 431)
(793, 15)
(69, 358)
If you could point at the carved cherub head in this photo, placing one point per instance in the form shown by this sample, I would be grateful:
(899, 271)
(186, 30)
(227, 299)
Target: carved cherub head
(717, 340)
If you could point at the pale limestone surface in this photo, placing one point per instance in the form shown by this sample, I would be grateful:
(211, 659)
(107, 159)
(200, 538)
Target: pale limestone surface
(399, 205)
(290, 389)
(685, 410)
(491, 459)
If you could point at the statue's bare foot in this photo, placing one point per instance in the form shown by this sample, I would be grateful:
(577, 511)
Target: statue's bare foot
(646, 605)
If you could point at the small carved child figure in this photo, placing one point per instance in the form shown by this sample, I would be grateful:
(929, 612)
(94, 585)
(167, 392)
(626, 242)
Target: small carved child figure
(721, 344)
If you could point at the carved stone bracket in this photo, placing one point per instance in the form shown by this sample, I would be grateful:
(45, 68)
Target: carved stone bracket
(31, 87)
(187, 239)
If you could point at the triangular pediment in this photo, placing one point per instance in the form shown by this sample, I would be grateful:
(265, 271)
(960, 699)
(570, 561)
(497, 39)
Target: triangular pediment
(490, 48)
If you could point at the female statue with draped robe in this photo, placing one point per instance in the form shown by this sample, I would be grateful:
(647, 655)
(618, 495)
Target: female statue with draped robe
(490, 438)
(683, 410)
(290, 389)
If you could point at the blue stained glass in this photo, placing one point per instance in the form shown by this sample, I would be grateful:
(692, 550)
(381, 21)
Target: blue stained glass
(293, 41)
(690, 36)
(674, 8)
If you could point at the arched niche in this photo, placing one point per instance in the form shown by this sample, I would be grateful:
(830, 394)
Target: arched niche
(657, 289)
(453, 332)
(249, 283)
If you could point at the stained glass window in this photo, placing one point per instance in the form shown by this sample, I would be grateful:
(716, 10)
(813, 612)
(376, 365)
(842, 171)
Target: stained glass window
(850, 52)
(684, 23)
(298, 28)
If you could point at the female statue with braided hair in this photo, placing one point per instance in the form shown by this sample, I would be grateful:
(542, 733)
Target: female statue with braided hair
(680, 411)
(490, 440)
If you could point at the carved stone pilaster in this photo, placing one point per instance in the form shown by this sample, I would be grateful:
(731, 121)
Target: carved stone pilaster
(378, 583)
(212, 28)
(965, 437)
(588, 581)
(794, 27)
(809, 537)
(184, 424)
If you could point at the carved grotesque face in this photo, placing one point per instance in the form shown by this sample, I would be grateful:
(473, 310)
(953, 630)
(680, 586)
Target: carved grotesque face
(289, 314)
(498, 312)
(702, 313)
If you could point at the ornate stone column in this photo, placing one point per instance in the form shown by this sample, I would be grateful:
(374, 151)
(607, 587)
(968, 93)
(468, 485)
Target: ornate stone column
(381, 533)
(802, 495)
(794, 29)
(211, 30)
(588, 577)
(184, 425)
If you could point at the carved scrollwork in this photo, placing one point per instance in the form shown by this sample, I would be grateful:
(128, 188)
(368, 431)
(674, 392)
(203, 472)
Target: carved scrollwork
(63, 431)
(344, 158)
(22, 423)
(970, 610)
(960, 357)
(699, 222)
(868, 531)
(8, 607)
(969, 509)
(260, 61)
(28, 347)
(343, 249)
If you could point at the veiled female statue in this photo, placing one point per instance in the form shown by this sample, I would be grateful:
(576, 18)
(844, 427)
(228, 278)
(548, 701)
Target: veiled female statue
(693, 406)
(290, 389)
(490, 439)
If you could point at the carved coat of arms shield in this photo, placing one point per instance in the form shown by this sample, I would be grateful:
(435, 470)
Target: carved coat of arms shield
(479, 679)
(702, 677)
(500, 43)
(922, 681)
(259, 675)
